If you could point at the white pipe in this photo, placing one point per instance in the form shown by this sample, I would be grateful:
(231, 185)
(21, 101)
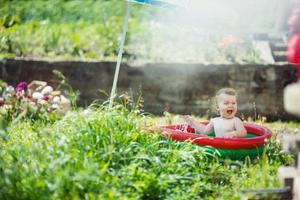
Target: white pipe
(120, 53)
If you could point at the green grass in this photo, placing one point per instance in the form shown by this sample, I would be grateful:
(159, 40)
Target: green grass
(105, 154)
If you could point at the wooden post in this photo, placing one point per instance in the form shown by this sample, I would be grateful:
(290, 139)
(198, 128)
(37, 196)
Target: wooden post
(297, 163)
(297, 188)
(290, 176)
(287, 175)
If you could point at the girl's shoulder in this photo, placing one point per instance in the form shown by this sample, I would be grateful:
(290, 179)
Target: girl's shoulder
(237, 119)
(212, 120)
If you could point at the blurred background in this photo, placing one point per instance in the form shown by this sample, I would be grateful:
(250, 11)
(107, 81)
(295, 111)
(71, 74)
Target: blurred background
(176, 54)
(191, 31)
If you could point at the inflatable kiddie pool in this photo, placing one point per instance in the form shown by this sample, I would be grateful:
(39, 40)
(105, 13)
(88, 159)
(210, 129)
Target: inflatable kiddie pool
(233, 148)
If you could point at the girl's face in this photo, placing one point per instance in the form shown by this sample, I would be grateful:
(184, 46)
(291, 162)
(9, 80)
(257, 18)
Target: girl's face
(227, 105)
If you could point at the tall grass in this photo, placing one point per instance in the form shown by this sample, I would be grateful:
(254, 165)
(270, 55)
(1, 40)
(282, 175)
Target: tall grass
(103, 153)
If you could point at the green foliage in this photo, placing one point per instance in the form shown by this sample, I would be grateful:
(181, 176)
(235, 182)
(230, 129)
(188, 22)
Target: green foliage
(61, 29)
(64, 85)
(102, 153)
(91, 30)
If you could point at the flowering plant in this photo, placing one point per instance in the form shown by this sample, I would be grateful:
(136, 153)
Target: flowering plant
(36, 100)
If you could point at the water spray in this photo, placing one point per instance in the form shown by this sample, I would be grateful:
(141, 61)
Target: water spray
(125, 29)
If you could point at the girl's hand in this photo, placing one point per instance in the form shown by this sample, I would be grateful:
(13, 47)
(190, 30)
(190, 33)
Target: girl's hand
(185, 127)
(231, 134)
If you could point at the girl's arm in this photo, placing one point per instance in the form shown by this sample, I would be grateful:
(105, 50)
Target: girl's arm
(200, 128)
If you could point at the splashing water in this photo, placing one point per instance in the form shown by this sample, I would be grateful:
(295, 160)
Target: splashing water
(194, 30)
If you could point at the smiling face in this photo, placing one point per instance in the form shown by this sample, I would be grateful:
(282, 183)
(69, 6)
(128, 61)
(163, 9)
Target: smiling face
(226, 105)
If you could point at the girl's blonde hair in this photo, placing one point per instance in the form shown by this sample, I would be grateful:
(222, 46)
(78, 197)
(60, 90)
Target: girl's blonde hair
(228, 91)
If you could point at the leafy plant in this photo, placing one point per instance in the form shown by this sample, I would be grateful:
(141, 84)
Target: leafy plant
(103, 153)
(24, 102)
(64, 85)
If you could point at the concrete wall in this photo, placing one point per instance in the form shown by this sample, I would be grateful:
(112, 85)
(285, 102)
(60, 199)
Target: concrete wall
(180, 88)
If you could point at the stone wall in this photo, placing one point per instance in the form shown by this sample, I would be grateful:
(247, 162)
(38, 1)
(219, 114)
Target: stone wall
(179, 88)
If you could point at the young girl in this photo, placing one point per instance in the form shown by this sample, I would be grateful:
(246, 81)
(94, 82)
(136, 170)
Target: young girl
(227, 125)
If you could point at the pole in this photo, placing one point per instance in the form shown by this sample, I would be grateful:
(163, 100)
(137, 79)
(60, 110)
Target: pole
(120, 53)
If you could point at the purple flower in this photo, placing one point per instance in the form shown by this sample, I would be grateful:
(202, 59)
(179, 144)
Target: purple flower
(46, 98)
(22, 86)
